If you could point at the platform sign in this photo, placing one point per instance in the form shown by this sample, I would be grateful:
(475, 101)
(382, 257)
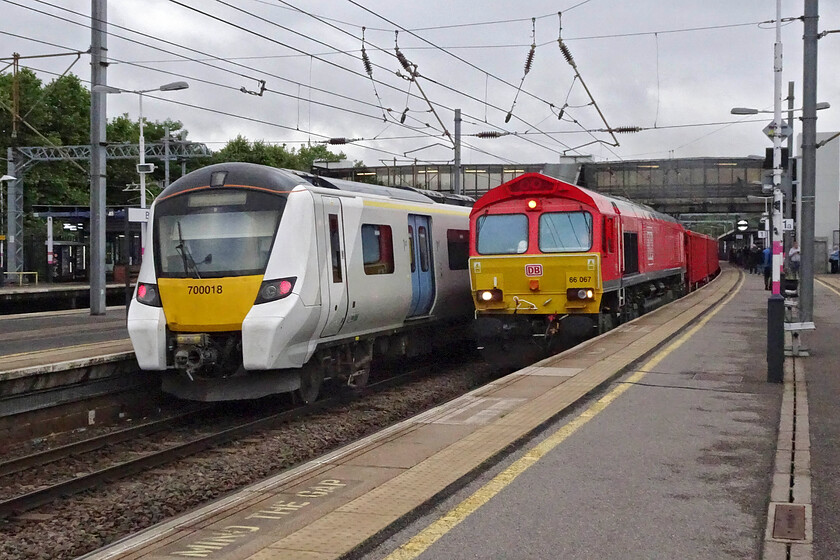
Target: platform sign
(138, 214)
(743, 225)
(762, 234)
(787, 224)
(772, 130)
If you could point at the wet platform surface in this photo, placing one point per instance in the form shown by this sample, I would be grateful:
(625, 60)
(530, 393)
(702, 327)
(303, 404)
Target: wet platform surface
(657, 440)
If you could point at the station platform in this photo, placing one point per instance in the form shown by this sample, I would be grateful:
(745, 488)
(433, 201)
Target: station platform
(53, 358)
(35, 341)
(660, 439)
(45, 296)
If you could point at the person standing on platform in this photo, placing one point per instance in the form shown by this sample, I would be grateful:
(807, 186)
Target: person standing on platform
(794, 257)
(834, 260)
(755, 259)
(767, 263)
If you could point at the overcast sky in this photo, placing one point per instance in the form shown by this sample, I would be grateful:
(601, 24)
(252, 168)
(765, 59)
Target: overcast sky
(672, 65)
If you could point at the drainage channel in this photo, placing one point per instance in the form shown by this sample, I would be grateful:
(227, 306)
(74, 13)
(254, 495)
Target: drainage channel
(789, 532)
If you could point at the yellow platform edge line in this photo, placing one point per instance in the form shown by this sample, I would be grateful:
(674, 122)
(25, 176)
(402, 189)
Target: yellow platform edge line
(829, 286)
(437, 529)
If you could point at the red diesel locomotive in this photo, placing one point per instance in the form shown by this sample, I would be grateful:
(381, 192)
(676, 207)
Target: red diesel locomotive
(550, 258)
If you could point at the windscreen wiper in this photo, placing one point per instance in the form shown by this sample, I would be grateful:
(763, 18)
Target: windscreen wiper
(186, 256)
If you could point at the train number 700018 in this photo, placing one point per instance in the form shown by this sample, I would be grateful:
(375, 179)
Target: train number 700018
(204, 289)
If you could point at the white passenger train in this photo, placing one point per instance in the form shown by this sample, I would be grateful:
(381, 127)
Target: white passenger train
(257, 280)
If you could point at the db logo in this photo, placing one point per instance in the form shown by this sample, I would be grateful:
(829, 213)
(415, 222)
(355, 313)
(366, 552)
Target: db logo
(533, 270)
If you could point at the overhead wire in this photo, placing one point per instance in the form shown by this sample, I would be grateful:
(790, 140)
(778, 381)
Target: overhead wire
(348, 98)
(187, 58)
(471, 65)
(194, 60)
(449, 88)
(251, 31)
(247, 30)
(571, 61)
(487, 74)
(256, 120)
(437, 27)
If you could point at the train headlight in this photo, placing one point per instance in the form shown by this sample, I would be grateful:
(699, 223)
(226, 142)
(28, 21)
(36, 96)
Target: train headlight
(489, 295)
(148, 294)
(272, 290)
(580, 294)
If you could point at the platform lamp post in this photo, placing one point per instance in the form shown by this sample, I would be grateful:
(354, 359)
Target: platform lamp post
(3, 180)
(775, 130)
(142, 168)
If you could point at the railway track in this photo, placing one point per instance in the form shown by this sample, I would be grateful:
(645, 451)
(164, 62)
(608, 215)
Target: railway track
(79, 482)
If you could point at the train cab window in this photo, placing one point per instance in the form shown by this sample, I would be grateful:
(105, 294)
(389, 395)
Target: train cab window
(501, 234)
(458, 244)
(335, 249)
(565, 232)
(377, 249)
(424, 248)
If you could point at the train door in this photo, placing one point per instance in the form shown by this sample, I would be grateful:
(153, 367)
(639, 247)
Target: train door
(422, 265)
(336, 293)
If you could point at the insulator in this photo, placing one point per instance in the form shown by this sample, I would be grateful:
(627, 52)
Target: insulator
(509, 115)
(567, 54)
(402, 117)
(560, 114)
(366, 62)
(530, 59)
(335, 141)
(626, 129)
(403, 60)
(489, 134)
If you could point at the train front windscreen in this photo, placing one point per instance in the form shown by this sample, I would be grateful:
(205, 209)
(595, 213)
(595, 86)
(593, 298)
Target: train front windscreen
(214, 234)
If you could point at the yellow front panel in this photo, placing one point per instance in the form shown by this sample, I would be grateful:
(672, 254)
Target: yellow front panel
(537, 284)
(207, 305)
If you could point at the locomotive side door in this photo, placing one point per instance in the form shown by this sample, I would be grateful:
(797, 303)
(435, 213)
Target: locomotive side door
(422, 265)
(335, 261)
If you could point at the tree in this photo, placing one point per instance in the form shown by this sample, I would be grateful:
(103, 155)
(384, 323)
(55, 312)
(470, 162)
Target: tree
(123, 173)
(308, 154)
(52, 114)
(240, 149)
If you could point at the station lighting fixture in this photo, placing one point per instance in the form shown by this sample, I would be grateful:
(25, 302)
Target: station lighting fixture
(142, 168)
(751, 111)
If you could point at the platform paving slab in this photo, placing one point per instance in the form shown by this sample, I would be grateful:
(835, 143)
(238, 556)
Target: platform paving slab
(489, 430)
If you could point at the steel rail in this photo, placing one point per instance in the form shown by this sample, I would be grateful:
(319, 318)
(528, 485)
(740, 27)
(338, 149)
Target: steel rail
(92, 444)
(73, 486)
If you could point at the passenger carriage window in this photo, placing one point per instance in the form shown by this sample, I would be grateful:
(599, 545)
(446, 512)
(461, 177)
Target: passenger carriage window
(501, 234)
(565, 232)
(411, 247)
(458, 245)
(335, 249)
(377, 249)
(424, 248)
